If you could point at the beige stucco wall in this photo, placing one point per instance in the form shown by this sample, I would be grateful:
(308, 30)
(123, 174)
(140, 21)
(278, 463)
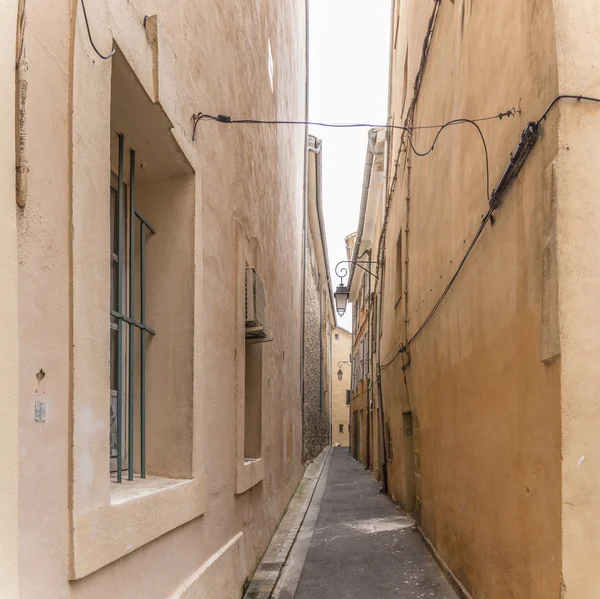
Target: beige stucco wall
(361, 444)
(486, 409)
(340, 411)
(577, 217)
(9, 381)
(176, 539)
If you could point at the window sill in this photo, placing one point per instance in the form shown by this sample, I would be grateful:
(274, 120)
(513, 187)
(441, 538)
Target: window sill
(136, 513)
(249, 474)
(138, 488)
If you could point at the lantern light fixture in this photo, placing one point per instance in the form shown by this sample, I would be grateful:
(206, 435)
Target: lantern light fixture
(340, 372)
(342, 292)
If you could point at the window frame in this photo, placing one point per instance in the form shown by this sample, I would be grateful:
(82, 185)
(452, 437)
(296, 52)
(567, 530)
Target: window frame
(144, 512)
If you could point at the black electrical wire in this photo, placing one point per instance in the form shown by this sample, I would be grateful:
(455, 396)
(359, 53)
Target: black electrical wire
(409, 130)
(401, 350)
(221, 118)
(90, 36)
(459, 122)
(476, 237)
(566, 97)
(482, 226)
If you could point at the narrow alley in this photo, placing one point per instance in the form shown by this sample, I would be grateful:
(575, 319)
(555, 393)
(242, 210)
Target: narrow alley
(299, 299)
(354, 542)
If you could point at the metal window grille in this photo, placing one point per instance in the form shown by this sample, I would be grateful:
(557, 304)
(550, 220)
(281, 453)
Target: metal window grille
(124, 266)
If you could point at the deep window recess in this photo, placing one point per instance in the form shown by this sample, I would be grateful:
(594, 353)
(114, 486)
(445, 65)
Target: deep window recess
(337, 336)
(341, 428)
(256, 335)
(253, 403)
(126, 265)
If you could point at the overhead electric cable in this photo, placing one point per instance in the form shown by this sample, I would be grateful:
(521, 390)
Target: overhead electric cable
(226, 119)
(87, 25)
(484, 222)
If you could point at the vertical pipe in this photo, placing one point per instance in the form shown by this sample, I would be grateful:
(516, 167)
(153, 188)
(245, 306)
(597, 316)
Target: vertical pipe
(22, 165)
(320, 349)
(304, 232)
(121, 220)
(130, 374)
(142, 351)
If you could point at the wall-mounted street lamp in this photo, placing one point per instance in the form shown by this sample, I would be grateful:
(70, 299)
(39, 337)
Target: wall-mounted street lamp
(342, 293)
(340, 372)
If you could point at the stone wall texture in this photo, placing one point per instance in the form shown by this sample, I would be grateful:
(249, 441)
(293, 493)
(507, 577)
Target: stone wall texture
(316, 401)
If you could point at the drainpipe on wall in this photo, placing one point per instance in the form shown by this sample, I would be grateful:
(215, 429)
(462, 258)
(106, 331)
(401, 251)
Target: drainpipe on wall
(304, 234)
(379, 332)
(381, 265)
(22, 168)
(383, 453)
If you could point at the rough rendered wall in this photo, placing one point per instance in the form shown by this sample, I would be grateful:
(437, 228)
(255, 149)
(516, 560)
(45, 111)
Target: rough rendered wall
(246, 59)
(314, 412)
(9, 380)
(577, 234)
(485, 407)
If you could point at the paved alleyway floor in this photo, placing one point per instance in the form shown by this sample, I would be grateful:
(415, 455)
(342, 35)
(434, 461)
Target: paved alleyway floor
(355, 544)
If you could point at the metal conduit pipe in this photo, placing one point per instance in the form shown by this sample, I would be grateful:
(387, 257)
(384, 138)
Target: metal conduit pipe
(22, 167)
(304, 232)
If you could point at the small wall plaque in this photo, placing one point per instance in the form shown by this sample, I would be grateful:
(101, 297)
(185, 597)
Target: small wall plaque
(40, 411)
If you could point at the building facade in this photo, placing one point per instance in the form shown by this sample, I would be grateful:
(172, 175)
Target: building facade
(486, 292)
(361, 248)
(319, 316)
(151, 294)
(341, 344)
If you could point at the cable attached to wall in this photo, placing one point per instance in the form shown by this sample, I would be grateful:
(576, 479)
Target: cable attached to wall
(511, 112)
(528, 138)
(87, 24)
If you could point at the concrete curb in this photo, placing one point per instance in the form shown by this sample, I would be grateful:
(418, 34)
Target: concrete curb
(289, 579)
(268, 571)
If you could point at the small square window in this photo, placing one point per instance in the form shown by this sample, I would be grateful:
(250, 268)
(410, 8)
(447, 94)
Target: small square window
(337, 336)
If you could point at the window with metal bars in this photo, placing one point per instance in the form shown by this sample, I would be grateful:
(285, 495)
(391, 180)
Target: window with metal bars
(129, 231)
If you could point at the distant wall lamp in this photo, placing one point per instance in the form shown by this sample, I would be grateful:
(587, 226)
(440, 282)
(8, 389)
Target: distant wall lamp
(342, 293)
(340, 372)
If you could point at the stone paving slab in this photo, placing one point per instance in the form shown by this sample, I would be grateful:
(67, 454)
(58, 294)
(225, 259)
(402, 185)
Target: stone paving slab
(263, 582)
